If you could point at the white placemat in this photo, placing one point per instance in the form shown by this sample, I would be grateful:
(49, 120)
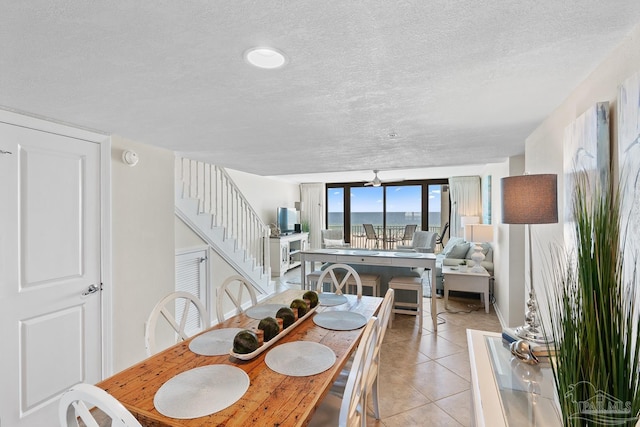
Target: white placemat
(300, 358)
(263, 310)
(365, 253)
(201, 391)
(340, 320)
(214, 343)
(330, 299)
(407, 254)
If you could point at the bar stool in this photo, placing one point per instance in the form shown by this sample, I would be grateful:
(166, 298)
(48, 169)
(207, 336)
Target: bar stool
(369, 280)
(408, 283)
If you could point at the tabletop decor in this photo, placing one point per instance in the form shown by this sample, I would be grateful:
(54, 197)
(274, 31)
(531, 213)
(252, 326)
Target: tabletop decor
(340, 320)
(594, 315)
(201, 391)
(214, 343)
(261, 311)
(267, 344)
(329, 299)
(300, 358)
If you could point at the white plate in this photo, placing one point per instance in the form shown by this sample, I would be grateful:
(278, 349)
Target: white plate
(214, 343)
(201, 391)
(329, 299)
(300, 358)
(340, 320)
(263, 310)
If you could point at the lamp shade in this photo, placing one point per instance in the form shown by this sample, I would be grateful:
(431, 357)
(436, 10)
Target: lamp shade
(478, 233)
(466, 220)
(530, 199)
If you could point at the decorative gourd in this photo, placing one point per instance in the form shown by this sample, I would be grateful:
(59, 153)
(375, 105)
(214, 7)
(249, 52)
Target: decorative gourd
(270, 327)
(245, 342)
(301, 306)
(287, 316)
(312, 296)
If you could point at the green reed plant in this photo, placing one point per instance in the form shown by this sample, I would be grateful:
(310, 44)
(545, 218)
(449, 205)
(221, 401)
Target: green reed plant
(593, 316)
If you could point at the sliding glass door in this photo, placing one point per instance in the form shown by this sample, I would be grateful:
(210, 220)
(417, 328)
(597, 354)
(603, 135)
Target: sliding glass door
(403, 213)
(389, 211)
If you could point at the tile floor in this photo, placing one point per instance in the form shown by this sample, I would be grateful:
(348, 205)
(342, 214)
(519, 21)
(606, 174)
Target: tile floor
(425, 378)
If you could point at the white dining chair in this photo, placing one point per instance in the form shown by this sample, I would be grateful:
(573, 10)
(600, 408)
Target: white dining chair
(77, 402)
(166, 308)
(339, 279)
(233, 289)
(350, 410)
(384, 315)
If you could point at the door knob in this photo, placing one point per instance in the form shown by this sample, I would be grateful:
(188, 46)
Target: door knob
(92, 289)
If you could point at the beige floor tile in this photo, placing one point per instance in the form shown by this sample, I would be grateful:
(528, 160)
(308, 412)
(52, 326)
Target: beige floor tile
(429, 414)
(402, 353)
(436, 382)
(458, 364)
(396, 396)
(435, 346)
(455, 334)
(458, 406)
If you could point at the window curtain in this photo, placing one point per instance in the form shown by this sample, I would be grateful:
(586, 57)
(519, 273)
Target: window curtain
(466, 200)
(312, 218)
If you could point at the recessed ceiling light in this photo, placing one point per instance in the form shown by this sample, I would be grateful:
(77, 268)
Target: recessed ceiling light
(265, 57)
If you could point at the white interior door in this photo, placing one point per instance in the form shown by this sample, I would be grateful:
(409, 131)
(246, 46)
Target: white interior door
(49, 257)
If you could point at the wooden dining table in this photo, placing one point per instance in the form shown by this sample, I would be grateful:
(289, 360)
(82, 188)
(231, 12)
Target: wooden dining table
(272, 399)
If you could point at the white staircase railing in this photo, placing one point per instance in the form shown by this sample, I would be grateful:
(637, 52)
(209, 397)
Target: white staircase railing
(219, 196)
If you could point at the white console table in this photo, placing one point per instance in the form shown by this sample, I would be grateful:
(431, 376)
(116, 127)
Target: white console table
(506, 391)
(375, 257)
(285, 252)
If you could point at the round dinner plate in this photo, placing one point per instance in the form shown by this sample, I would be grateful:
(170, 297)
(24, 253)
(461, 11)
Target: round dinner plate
(340, 320)
(201, 391)
(261, 311)
(214, 343)
(329, 299)
(300, 358)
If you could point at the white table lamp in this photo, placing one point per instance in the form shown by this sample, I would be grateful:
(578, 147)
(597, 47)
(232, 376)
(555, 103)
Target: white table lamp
(478, 233)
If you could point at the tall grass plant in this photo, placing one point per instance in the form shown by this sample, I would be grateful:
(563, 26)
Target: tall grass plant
(593, 316)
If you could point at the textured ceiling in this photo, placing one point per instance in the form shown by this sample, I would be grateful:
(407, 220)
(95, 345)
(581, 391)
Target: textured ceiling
(454, 82)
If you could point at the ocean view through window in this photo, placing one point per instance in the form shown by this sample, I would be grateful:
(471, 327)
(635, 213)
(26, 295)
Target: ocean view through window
(389, 208)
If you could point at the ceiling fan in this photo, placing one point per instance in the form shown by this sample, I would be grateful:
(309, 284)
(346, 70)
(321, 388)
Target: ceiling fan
(375, 182)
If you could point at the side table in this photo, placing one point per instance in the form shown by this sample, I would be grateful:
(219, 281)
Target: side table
(457, 279)
(506, 392)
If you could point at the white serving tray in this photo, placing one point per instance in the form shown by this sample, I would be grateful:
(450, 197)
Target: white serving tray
(267, 344)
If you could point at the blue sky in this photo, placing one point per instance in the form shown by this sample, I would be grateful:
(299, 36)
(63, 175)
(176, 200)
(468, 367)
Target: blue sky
(399, 199)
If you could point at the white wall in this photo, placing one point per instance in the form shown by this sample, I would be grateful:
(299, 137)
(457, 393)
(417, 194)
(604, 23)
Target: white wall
(266, 194)
(143, 243)
(544, 152)
(508, 248)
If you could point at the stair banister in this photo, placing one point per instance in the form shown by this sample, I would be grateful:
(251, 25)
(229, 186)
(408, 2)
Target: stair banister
(219, 196)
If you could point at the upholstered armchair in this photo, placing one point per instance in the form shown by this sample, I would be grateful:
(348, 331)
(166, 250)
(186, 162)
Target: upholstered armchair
(423, 241)
(333, 238)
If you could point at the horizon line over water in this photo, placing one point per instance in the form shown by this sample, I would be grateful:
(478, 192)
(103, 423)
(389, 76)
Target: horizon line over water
(393, 218)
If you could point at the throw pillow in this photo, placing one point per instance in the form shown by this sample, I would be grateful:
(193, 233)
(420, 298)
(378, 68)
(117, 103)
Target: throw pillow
(332, 242)
(459, 251)
(451, 244)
